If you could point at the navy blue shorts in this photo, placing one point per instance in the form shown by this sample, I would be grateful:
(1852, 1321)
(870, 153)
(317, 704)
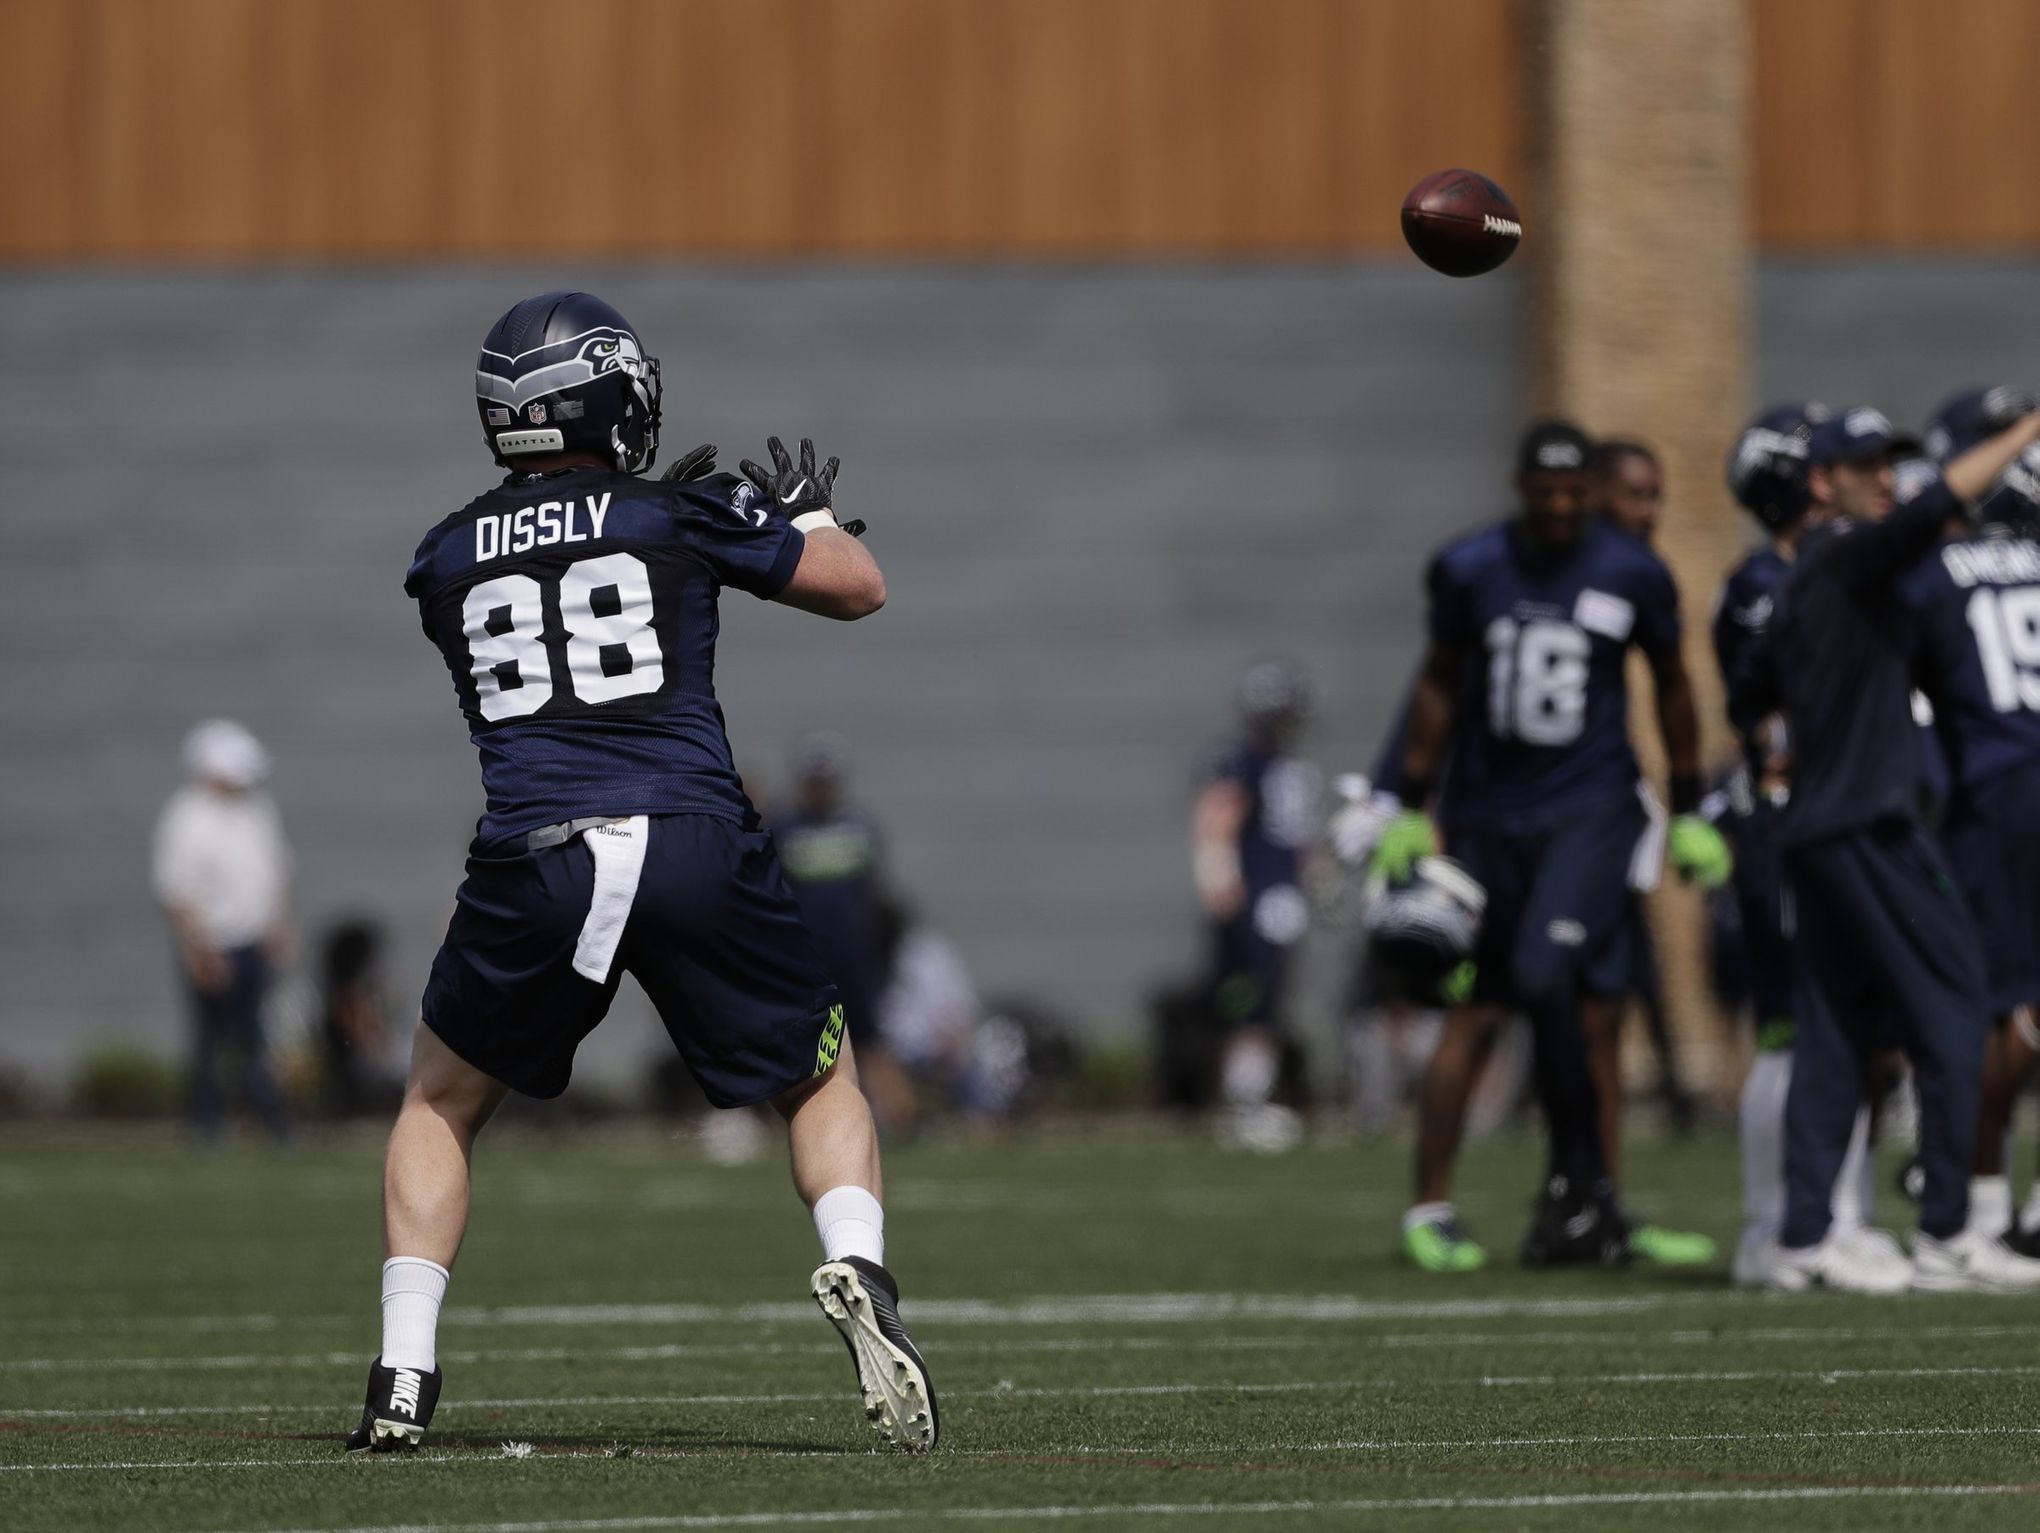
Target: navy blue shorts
(711, 932)
(1250, 973)
(1558, 903)
(1992, 837)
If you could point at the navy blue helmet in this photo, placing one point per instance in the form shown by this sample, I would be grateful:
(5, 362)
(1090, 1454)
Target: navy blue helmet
(564, 372)
(1425, 925)
(1972, 416)
(1276, 692)
(1767, 466)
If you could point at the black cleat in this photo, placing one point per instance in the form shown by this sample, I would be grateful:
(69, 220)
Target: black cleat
(2023, 1240)
(863, 1302)
(398, 1411)
(1576, 1228)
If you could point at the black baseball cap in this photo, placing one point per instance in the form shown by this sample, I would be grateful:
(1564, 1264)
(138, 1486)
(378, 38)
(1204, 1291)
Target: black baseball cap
(1553, 446)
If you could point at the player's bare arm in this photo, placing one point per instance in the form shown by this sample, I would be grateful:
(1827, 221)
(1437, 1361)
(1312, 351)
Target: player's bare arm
(837, 577)
(1431, 709)
(1216, 819)
(1976, 470)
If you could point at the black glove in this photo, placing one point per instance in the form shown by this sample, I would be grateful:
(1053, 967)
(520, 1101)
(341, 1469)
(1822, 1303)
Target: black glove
(698, 464)
(797, 492)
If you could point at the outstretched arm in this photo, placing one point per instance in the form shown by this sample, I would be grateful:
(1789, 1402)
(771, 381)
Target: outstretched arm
(836, 577)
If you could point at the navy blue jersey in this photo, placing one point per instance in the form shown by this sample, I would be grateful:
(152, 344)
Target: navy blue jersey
(1282, 811)
(1836, 660)
(1747, 596)
(577, 614)
(1976, 603)
(1541, 725)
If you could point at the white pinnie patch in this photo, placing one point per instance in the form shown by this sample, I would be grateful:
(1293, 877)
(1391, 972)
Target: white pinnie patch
(1493, 225)
(1599, 612)
(518, 1450)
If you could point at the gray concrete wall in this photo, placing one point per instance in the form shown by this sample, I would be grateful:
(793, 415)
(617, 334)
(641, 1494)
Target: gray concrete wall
(1097, 494)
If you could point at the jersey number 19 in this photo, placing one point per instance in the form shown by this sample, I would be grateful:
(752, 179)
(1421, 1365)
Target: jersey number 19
(2007, 628)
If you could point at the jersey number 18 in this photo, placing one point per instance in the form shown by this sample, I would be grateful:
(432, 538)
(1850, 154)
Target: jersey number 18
(1537, 681)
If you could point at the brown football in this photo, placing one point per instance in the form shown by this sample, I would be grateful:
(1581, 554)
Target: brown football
(1459, 222)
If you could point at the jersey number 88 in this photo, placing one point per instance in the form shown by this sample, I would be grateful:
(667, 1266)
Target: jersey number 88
(612, 651)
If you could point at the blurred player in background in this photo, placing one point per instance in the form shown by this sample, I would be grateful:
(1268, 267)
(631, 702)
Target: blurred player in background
(1629, 491)
(1976, 600)
(575, 606)
(831, 852)
(1767, 473)
(354, 1031)
(222, 872)
(1251, 826)
(1880, 927)
(1530, 622)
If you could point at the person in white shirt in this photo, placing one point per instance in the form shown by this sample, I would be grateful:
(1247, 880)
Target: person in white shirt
(222, 871)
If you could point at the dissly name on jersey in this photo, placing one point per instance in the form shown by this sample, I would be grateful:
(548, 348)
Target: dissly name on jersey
(529, 527)
(1992, 561)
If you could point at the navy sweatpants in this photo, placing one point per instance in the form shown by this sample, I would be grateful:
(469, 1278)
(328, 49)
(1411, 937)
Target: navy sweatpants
(1884, 940)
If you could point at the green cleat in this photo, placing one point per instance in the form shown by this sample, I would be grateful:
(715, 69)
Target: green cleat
(1440, 1245)
(1670, 1248)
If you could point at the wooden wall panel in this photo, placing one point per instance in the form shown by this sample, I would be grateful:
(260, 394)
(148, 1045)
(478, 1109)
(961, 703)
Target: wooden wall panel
(258, 129)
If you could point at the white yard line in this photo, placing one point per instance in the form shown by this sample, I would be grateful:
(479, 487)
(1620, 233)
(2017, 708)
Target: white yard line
(1301, 1341)
(1060, 1392)
(1076, 1309)
(661, 1353)
(920, 1516)
(1101, 1451)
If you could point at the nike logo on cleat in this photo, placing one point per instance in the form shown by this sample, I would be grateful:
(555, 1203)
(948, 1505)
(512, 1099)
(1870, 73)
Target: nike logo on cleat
(404, 1392)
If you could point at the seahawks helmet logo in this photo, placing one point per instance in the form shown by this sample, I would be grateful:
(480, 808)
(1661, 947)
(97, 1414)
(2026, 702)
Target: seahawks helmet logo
(517, 381)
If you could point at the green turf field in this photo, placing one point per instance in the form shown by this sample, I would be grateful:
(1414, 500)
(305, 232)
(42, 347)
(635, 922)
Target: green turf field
(1127, 1330)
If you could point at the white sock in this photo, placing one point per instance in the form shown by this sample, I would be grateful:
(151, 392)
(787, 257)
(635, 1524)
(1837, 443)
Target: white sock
(851, 1223)
(1251, 1065)
(1855, 1193)
(1990, 1205)
(2031, 1215)
(1425, 1213)
(1762, 1127)
(412, 1289)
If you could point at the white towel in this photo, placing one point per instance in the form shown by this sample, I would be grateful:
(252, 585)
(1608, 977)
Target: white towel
(619, 853)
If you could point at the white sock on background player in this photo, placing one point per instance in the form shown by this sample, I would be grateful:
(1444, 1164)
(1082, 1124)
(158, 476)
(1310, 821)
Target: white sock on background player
(1762, 1124)
(412, 1291)
(851, 1223)
(1856, 1183)
(1990, 1205)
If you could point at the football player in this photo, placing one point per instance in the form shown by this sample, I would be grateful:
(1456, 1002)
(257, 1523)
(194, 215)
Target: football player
(1880, 927)
(831, 850)
(1976, 600)
(575, 606)
(1629, 490)
(1531, 620)
(1253, 820)
(1767, 474)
